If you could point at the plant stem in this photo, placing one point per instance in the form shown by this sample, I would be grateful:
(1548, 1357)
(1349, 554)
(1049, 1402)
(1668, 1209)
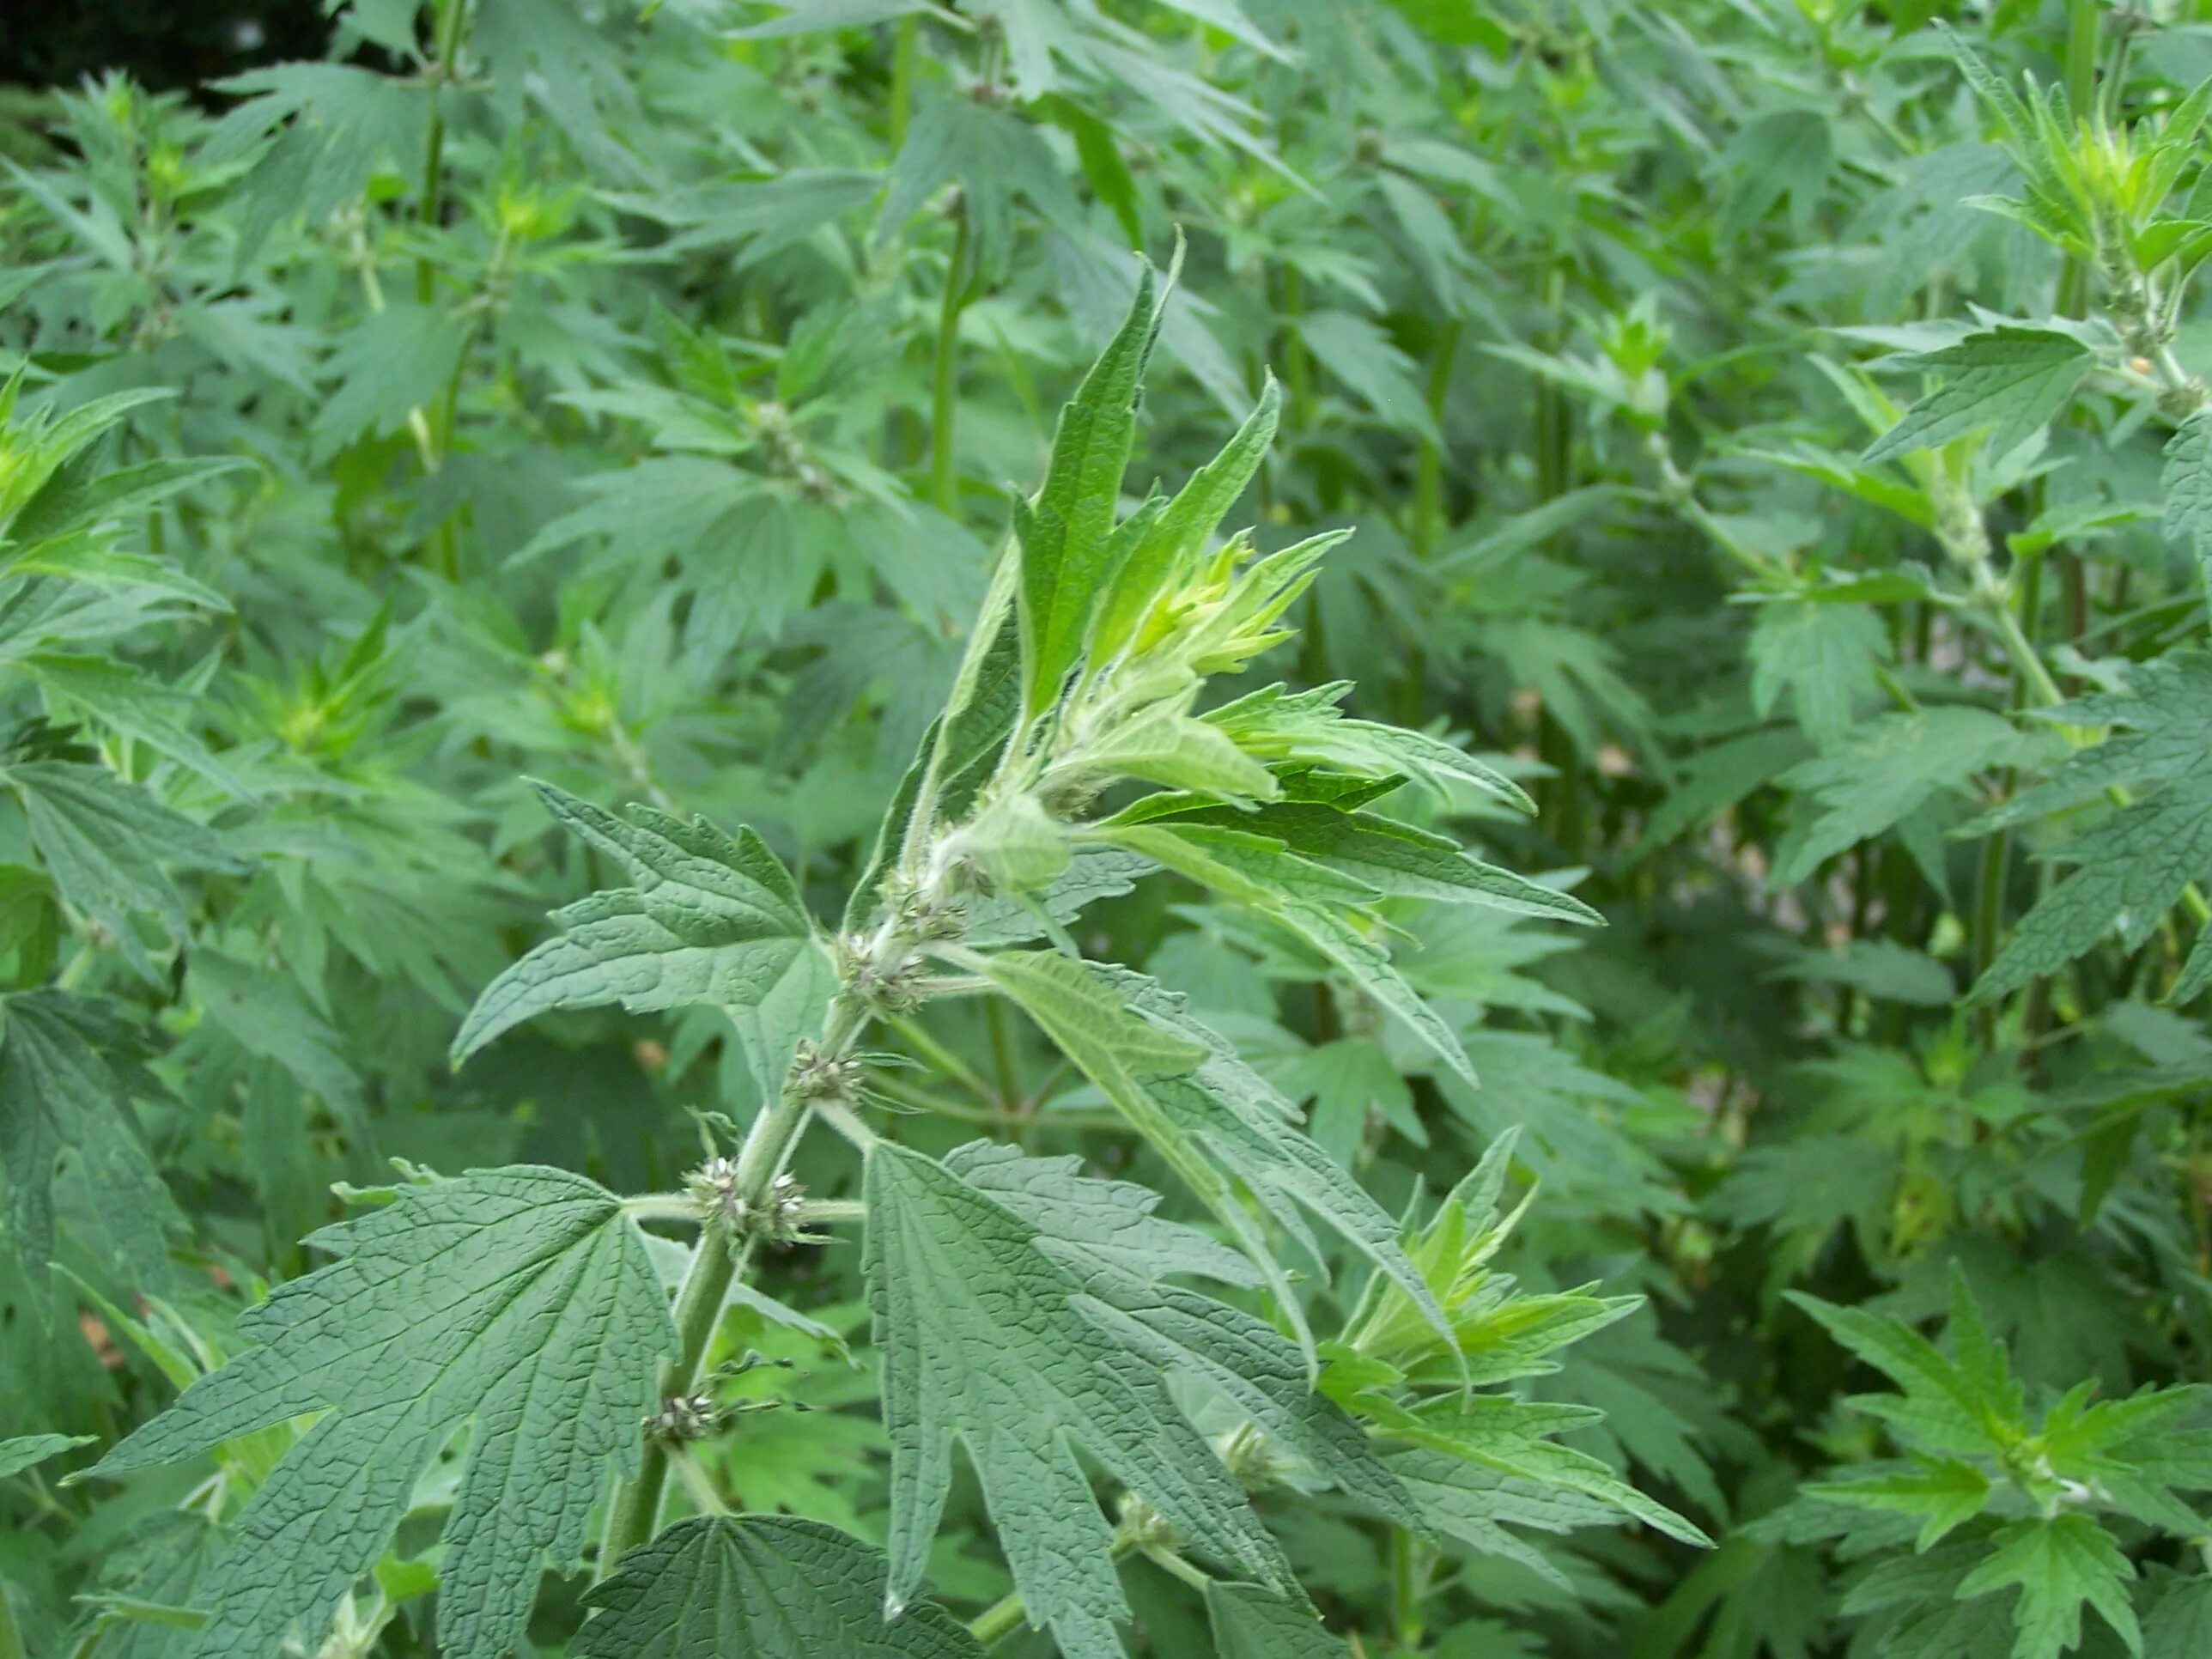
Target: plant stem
(1173, 1565)
(943, 407)
(11, 1639)
(1005, 1060)
(902, 55)
(1408, 1587)
(1429, 460)
(960, 1111)
(996, 1622)
(768, 1146)
(919, 1039)
(450, 14)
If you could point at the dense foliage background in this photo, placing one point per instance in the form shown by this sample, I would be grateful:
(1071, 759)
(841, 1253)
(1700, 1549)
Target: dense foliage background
(1768, 438)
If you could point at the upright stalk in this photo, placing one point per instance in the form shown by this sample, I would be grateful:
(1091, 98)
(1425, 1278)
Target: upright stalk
(719, 1259)
(944, 405)
(1429, 460)
(450, 15)
(1429, 506)
(904, 43)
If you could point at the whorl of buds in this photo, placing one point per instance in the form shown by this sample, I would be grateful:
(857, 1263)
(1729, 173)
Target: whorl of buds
(776, 1219)
(683, 1417)
(1145, 1527)
(1250, 1457)
(2179, 401)
(893, 989)
(818, 1075)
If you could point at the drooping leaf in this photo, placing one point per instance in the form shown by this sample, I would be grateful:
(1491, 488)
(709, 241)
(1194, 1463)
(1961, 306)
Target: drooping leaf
(983, 1342)
(67, 1072)
(2060, 1563)
(1250, 1623)
(25, 1450)
(521, 1302)
(1209, 1115)
(2010, 378)
(110, 844)
(711, 920)
(759, 1586)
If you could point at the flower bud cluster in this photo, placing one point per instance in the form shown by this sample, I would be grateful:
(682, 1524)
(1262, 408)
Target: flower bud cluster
(818, 1074)
(889, 987)
(776, 1219)
(1145, 1527)
(683, 1417)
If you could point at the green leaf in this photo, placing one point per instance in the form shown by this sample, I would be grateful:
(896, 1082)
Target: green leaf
(1094, 874)
(521, 1302)
(110, 844)
(25, 1450)
(68, 1073)
(1015, 844)
(1109, 1221)
(1165, 746)
(1511, 1437)
(1362, 356)
(983, 1342)
(2059, 1564)
(1474, 1504)
(1945, 1492)
(394, 362)
(1250, 1623)
(994, 157)
(1174, 539)
(2009, 378)
(1353, 1080)
(759, 1586)
(1277, 725)
(1964, 1409)
(2186, 481)
(1786, 153)
(1310, 900)
(960, 750)
(2181, 1627)
(1824, 655)
(1182, 1087)
(1395, 859)
(1104, 1233)
(2133, 866)
(711, 920)
(338, 125)
(120, 696)
(1884, 772)
(1066, 531)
